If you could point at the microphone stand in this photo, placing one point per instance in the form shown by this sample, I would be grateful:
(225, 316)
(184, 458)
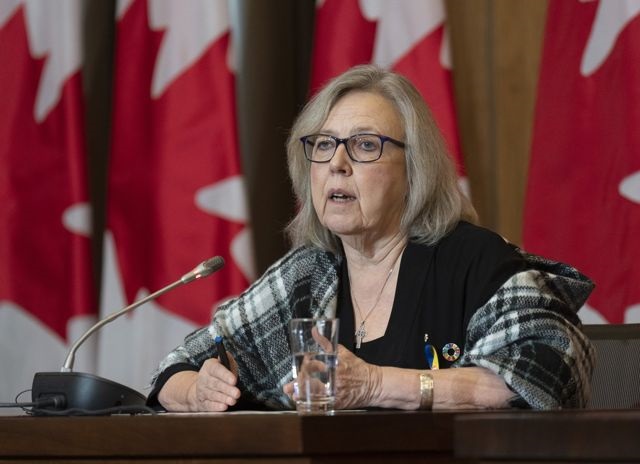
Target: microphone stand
(76, 391)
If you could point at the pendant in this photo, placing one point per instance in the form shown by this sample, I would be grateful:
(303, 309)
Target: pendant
(360, 334)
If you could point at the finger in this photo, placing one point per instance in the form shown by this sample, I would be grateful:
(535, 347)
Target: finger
(218, 389)
(344, 358)
(213, 406)
(215, 379)
(341, 350)
(321, 340)
(214, 368)
(288, 388)
(212, 399)
(219, 396)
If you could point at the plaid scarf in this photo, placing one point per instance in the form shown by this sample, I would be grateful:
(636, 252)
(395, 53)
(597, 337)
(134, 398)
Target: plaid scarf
(527, 333)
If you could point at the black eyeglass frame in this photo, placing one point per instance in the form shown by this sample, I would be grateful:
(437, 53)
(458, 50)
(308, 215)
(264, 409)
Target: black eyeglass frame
(383, 139)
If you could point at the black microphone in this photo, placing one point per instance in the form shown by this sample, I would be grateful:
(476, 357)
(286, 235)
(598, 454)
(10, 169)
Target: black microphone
(87, 392)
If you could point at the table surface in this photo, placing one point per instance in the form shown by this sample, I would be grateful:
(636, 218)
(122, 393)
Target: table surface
(374, 436)
(539, 436)
(254, 435)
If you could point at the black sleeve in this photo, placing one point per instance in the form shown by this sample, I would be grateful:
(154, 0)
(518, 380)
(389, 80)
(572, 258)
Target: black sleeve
(152, 399)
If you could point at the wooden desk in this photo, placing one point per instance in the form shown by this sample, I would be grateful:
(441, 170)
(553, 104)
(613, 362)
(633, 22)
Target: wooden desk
(551, 436)
(388, 436)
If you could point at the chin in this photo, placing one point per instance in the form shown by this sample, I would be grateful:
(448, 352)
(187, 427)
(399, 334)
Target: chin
(345, 231)
(343, 224)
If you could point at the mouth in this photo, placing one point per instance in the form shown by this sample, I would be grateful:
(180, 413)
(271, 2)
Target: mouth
(340, 196)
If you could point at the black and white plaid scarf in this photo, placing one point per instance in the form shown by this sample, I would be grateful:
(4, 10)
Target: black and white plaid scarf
(527, 333)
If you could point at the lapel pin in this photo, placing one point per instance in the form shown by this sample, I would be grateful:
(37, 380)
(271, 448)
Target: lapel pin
(430, 354)
(451, 352)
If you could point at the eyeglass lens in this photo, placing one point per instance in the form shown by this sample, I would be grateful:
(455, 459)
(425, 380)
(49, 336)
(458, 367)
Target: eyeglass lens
(362, 147)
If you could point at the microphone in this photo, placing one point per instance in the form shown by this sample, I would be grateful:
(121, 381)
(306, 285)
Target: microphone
(88, 392)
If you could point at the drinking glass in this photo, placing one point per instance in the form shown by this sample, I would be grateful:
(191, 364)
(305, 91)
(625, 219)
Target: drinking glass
(314, 355)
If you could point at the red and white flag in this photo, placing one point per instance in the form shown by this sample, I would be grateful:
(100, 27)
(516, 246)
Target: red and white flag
(583, 199)
(409, 37)
(46, 287)
(175, 191)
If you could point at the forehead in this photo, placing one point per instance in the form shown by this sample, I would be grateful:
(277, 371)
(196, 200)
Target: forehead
(364, 111)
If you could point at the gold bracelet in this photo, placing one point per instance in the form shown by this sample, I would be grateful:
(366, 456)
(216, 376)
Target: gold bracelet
(426, 391)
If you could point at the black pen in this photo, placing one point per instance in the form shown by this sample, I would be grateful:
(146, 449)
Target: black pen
(222, 352)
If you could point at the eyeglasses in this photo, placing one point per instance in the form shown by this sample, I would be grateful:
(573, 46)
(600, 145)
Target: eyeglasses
(361, 148)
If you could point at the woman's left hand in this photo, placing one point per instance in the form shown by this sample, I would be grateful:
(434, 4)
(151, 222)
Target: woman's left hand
(357, 382)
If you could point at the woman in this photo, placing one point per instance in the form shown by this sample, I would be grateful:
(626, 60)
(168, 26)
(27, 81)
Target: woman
(385, 240)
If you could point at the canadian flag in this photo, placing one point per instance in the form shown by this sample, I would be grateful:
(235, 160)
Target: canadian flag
(409, 37)
(47, 297)
(175, 191)
(583, 200)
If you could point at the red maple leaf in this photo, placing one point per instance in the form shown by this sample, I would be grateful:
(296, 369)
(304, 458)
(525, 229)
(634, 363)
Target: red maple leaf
(586, 141)
(164, 150)
(44, 268)
(343, 38)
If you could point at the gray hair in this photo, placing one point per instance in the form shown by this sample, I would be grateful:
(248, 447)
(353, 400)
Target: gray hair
(435, 203)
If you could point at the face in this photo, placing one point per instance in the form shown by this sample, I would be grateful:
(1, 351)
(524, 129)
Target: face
(361, 201)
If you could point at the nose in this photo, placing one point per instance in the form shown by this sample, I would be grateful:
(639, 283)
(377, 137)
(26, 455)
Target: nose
(341, 163)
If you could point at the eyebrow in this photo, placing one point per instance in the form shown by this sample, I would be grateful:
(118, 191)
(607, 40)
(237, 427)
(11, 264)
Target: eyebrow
(354, 131)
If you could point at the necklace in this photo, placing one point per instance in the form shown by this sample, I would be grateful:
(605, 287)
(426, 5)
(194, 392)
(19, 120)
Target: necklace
(361, 333)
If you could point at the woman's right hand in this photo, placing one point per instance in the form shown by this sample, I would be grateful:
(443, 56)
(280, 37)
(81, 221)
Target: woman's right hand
(213, 388)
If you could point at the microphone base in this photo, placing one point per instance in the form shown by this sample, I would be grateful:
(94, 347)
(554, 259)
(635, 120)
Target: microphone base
(82, 391)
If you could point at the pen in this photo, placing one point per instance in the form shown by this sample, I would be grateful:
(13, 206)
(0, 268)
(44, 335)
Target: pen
(222, 352)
